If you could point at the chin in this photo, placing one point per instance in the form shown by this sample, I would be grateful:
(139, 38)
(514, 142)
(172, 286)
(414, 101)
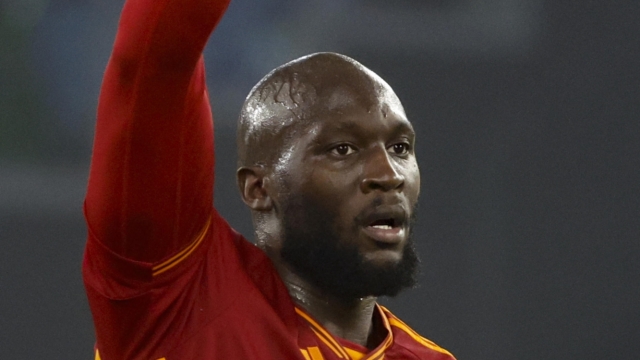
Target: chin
(383, 258)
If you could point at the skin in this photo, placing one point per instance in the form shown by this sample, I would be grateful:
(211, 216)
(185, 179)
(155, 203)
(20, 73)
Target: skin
(326, 128)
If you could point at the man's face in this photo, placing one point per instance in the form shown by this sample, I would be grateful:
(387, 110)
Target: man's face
(350, 183)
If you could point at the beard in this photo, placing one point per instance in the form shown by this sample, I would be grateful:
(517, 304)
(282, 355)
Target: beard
(314, 249)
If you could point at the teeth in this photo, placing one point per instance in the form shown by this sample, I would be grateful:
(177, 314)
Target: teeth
(384, 227)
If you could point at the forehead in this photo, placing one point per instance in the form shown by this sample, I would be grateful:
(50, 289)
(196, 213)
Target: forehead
(348, 108)
(322, 89)
(370, 96)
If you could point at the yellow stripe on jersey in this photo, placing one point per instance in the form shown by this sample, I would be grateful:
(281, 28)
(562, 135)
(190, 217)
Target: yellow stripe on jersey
(323, 334)
(315, 353)
(329, 344)
(379, 354)
(305, 353)
(425, 342)
(179, 257)
(337, 348)
(347, 353)
(354, 354)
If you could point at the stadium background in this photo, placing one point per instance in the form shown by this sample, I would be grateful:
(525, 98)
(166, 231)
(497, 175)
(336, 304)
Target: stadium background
(528, 141)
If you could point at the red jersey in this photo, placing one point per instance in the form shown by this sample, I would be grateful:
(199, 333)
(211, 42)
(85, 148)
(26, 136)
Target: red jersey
(166, 276)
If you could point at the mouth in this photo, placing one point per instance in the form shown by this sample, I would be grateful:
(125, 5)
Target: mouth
(386, 226)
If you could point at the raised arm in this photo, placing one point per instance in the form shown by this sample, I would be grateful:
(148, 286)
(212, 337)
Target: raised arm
(151, 181)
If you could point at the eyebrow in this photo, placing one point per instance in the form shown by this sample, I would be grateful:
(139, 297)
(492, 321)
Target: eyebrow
(399, 127)
(403, 126)
(351, 128)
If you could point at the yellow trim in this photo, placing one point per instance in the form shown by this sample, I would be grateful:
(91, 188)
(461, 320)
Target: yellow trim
(315, 353)
(387, 341)
(354, 354)
(346, 353)
(305, 353)
(382, 349)
(179, 257)
(329, 344)
(425, 342)
(336, 346)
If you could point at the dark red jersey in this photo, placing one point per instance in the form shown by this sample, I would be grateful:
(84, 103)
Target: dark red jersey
(166, 276)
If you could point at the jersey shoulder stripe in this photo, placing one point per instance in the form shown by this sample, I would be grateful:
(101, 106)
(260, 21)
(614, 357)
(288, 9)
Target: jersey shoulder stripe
(179, 257)
(343, 351)
(323, 335)
(394, 321)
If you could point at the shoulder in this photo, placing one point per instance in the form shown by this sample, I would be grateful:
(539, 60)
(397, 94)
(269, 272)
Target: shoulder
(407, 338)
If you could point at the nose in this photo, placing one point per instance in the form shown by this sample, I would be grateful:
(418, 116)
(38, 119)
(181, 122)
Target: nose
(380, 173)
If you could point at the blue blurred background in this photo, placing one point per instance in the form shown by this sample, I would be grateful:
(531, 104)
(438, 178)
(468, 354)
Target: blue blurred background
(528, 141)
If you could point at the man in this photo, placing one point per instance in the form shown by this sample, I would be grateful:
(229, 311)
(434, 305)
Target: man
(326, 164)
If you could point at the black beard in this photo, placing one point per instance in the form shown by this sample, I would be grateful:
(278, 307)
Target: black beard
(315, 251)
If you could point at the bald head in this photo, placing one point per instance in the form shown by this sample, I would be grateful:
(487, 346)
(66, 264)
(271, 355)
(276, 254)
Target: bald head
(296, 94)
(325, 154)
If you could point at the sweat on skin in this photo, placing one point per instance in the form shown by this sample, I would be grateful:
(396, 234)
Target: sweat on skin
(326, 166)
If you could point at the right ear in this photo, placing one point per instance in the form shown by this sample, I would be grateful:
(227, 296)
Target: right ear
(251, 182)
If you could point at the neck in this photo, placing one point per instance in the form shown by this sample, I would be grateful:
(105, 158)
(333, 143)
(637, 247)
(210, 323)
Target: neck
(349, 319)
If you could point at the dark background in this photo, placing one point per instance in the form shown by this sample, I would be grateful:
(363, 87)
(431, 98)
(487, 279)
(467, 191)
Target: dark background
(529, 141)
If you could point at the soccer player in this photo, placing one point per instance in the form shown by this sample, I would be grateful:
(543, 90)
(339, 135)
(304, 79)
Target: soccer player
(326, 165)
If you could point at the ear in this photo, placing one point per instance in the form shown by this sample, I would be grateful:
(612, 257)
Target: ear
(251, 182)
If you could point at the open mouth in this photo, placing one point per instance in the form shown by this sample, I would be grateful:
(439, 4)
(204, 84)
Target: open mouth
(385, 224)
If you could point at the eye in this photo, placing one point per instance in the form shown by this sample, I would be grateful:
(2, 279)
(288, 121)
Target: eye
(343, 150)
(399, 148)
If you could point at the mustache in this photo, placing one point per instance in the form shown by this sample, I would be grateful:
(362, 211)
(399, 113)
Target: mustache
(390, 207)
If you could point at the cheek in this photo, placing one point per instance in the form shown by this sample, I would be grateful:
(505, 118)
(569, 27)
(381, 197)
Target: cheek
(332, 185)
(332, 194)
(412, 182)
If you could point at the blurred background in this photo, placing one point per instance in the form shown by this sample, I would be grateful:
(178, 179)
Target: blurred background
(528, 141)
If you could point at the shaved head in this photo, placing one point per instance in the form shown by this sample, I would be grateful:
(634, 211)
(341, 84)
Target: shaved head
(326, 164)
(295, 94)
